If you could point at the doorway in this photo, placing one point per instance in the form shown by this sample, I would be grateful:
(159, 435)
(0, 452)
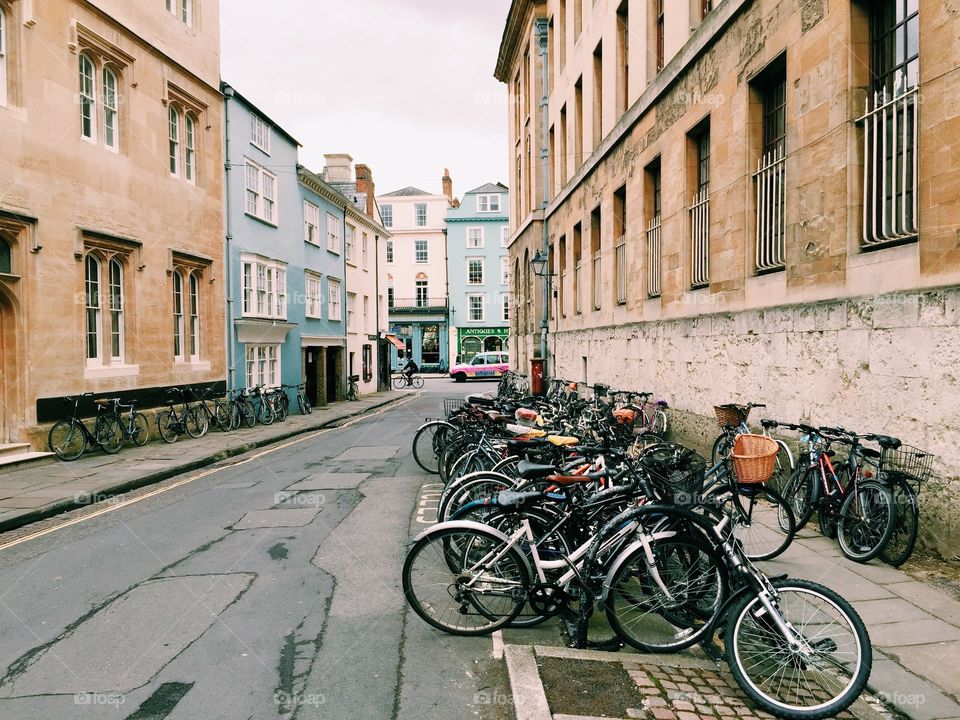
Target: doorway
(9, 388)
(310, 364)
(334, 373)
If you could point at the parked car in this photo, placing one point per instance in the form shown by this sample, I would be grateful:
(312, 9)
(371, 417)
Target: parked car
(484, 365)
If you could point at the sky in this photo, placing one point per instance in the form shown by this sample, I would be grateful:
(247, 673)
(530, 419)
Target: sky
(405, 86)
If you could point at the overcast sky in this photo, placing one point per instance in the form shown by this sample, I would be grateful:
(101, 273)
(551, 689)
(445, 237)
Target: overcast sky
(405, 86)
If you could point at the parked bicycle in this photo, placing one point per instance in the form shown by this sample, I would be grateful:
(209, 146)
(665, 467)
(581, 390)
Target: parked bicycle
(135, 426)
(185, 420)
(219, 416)
(69, 438)
(353, 387)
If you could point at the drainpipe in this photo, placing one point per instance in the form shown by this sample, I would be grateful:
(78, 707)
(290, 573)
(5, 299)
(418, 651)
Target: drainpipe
(541, 33)
(376, 302)
(446, 273)
(343, 310)
(231, 378)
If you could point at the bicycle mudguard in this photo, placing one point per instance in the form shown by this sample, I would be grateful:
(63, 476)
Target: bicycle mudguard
(461, 525)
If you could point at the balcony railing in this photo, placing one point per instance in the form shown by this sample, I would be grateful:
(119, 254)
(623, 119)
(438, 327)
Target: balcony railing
(653, 257)
(700, 239)
(419, 304)
(770, 203)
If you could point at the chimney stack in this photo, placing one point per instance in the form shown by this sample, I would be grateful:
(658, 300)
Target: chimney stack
(338, 168)
(365, 185)
(447, 185)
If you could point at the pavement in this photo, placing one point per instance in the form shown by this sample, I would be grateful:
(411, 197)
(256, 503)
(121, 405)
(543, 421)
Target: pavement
(34, 492)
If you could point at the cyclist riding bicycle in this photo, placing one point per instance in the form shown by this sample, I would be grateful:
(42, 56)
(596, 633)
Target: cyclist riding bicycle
(408, 370)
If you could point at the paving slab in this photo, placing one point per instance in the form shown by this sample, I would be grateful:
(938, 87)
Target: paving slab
(929, 598)
(276, 518)
(329, 481)
(369, 452)
(912, 632)
(938, 662)
(909, 693)
(890, 610)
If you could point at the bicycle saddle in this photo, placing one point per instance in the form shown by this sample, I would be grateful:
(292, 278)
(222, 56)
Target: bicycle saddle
(887, 442)
(562, 440)
(769, 423)
(518, 446)
(531, 470)
(474, 399)
(106, 401)
(563, 480)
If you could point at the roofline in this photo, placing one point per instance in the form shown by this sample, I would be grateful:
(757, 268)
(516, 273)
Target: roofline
(314, 182)
(511, 36)
(224, 86)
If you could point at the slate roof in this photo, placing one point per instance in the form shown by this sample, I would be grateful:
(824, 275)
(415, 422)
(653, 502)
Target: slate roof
(406, 192)
(489, 188)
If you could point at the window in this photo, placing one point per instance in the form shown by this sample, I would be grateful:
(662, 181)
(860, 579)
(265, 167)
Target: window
(365, 240)
(110, 109)
(705, 7)
(598, 95)
(177, 315)
(92, 286)
(422, 290)
(386, 215)
(333, 233)
(116, 311)
(190, 148)
(653, 229)
(562, 34)
(421, 214)
(421, 254)
(261, 192)
(562, 253)
(563, 145)
(367, 363)
(505, 236)
(352, 311)
(596, 255)
(182, 10)
(474, 271)
(260, 133)
(475, 238)
(311, 223)
(659, 31)
(314, 308)
(333, 300)
(504, 270)
(623, 57)
(348, 242)
(578, 128)
(700, 211)
(6, 261)
(263, 365)
(389, 251)
(488, 203)
(264, 288)
(173, 125)
(3, 58)
(577, 19)
(366, 313)
(193, 336)
(770, 177)
(475, 308)
(505, 305)
(88, 98)
(577, 266)
(620, 244)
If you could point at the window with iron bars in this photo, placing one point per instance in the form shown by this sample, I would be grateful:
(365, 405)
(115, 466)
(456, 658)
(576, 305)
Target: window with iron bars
(700, 213)
(770, 177)
(653, 232)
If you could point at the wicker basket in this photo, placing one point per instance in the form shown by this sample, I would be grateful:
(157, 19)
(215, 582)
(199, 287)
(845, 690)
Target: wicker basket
(754, 458)
(731, 415)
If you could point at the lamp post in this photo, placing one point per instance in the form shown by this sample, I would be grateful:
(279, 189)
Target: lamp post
(541, 269)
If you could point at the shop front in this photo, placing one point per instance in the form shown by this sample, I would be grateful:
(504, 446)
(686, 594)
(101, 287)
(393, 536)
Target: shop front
(473, 341)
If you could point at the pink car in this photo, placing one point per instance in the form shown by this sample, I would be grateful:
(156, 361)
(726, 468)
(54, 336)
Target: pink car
(485, 365)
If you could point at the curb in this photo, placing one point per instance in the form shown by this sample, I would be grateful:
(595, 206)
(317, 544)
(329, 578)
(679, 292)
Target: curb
(58, 507)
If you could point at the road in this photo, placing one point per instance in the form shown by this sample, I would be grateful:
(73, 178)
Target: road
(266, 587)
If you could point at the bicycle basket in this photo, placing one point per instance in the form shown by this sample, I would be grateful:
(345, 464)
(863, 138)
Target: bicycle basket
(731, 415)
(909, 460)
(678, 479)
(451, 405)
(754, 458)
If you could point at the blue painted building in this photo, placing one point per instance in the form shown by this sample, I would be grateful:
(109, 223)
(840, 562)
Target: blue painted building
(477, 234)
(285, 261)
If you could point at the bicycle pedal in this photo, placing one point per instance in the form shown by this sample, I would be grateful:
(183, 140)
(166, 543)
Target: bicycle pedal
(712, 650)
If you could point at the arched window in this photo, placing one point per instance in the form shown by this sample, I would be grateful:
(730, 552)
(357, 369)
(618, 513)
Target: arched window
(190, 147)
(173, 116)
(88, 98)
(194, 337)
(92, 286)
(469, 349)
(6, 258)
(3, 58)
(492, 344)
(178, 315)
(116, 311)
(111, 109)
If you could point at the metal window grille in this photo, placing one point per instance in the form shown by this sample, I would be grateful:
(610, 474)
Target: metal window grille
(700, 238)
(577, 307)
(770, 184)
(653, 257)
(597, 280)
(621, 259)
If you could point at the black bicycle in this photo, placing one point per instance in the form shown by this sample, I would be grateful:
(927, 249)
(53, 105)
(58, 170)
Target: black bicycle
(187, 420)
(136, 428)
(219, 417)
(303, 402)
(69, 438)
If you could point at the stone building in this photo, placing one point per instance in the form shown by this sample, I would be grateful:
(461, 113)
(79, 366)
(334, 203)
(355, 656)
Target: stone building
(111, 204)
(746, 200)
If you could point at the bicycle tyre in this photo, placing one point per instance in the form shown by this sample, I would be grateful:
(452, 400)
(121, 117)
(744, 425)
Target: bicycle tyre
(900, 546)
(140, 433)
(265, 414)
(166, 427)
(281, 411)
(660, 424)
(695, 577)
(195, 421)
(471, 487)
(66, 440)
(399, 383)
(304, 405)
(428, 443)
(248, 413)
(722, 447)
(442, 559)
(417, 382)
(748, 628)
(508, 466)
(772, 517)
(109, 434)
(799, 494)
(864, 540)
(221, 415)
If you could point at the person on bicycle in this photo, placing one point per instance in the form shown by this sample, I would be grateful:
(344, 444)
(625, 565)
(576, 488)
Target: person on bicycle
(408, 370)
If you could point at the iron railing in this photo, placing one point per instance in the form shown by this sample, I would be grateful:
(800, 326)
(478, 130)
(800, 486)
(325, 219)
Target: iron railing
(653, 257)
(700, 239)
(771, 194)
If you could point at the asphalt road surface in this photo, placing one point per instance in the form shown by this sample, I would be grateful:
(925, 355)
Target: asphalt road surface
(267, 587)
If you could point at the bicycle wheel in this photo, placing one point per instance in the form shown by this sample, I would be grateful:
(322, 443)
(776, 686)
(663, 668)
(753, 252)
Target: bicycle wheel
(428, 443)
(417, 382)
(168, 426)
(303, 404)
(465, 581)
(235, 414)
(764, 522)
(469, 488)
(67, 439)
(280, 410)
(196, 421)
(221, 415)
(399, 383)
(722, 447)
(900, 546)
(109, 434)
(799, 495)
(816, 674)
(508, 466)
(139, 429)
(671, 604)
(782, 470)
(265, 414)
(660, 423)
(865, 521)
(248, 413)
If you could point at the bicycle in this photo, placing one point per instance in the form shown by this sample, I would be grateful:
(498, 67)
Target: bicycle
(402, 381)
(135, 425)
(219, 416)
(172, 423)
(241, 409)
(904, 469)
(353, 387)
(732, 419)
(68, 438)
(303, 402)
(263, 408)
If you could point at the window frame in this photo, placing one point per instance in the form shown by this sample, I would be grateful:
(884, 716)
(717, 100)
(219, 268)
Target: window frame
(88, 98)
(470, 274)
(386, 215)
(333, 238)
(486, 202)
(482, 307)
(260, 193)
(480, 242)
(389, 250)
(307, 224)
(421, 299)
(261, 360)
(505, 236)
(179, 354)
(313, 308)
(189, 148)
(426, 251)
(3, 57)
(351, 312)
(504, 270)
(333, 300)
(94, 309)
(173, 140)
(350, 234)
(260, 133)
(111, 111)
(193, 308)
(116, 302)
(505, 306)
(416, 214)
(263, 290)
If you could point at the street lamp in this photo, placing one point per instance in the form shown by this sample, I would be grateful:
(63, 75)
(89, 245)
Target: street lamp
(539, 263)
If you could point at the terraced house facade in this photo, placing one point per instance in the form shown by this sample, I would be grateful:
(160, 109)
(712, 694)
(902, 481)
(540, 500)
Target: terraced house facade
(111, 203)
(745, 200)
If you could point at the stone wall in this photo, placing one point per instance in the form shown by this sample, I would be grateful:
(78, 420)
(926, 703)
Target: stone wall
(888, 363)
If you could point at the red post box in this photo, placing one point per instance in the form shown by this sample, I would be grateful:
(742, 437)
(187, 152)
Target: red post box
(536, 376)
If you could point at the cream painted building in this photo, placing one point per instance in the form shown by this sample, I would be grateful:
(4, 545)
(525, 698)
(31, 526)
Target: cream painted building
(745, 200)
(111, 204)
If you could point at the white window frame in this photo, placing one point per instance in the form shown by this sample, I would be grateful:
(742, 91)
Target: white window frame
(313, 285)
(351, 312)
(111, 109)
(263, 288)
(470, 308)
(485, 203)
(386, 215)
(505, 306)
(390, 252)
(94, 309)
(3, 58)
(426, 251)
(193, 308)
(366, 313)
(333, 300)
(505, 236)
(426, 292)
(115, 304)
(260, 133)
(182, 10)
(483, 271)
(179, 338)
(504, 270)
(173, 140)
(416, 214)
(348, 240)
(476, 242)
(88, 97)
(189, 148)
(264, 184)
(364, 249)
(333, 233)
(311, 223)
(262, 365)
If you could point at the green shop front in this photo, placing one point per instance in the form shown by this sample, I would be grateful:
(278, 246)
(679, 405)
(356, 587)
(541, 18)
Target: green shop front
(475, 340)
